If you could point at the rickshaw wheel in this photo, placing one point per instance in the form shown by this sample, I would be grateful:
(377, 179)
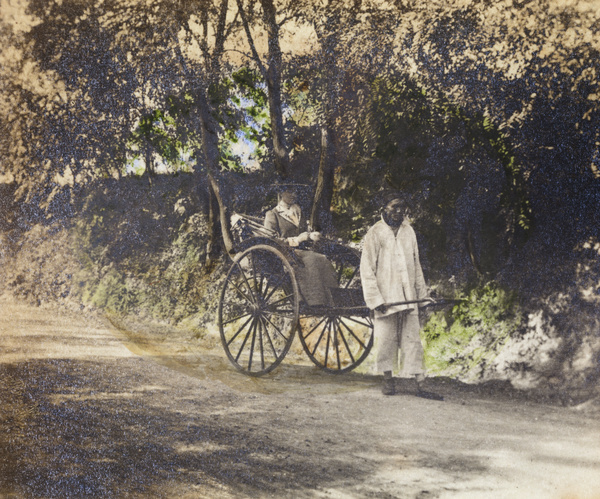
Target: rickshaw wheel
(258, 310)
(336, 343)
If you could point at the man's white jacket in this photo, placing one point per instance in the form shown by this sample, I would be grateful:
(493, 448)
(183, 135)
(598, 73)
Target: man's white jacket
(390, 268)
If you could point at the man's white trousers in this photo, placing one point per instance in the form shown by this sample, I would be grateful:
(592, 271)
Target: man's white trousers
(399, 344)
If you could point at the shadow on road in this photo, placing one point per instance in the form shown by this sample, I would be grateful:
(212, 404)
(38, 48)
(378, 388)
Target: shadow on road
(90, 432)
(296, 374)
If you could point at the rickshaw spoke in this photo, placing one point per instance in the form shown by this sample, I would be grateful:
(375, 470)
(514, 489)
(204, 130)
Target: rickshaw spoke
(279, 310)
(244, 342)
(235, 318)
(265, 278)
(278, 314)
(260, 342)
(254, 273)
(320, 337)
(269, 336)
(260, 285)
(345, 342)
(358, 322)
(280, 300)
(339, 271)
(266, 284)
(336, 344)
(246, 281)
(254, 327)
(352, 333)
(351, 277)
(238, 331)
(328, 341)
(314, 328)
(243, 295)
(330, 355)
(276, 286)
(278, 330)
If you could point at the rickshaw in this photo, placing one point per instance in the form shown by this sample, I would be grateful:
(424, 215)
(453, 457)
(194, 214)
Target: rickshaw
(262, 306)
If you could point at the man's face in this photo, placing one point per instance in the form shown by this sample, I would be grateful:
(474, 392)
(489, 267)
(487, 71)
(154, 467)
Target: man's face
(394, 212)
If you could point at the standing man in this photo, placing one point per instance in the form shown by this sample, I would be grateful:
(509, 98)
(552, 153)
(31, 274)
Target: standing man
(391, 272)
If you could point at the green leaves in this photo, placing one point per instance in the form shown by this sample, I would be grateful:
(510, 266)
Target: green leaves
(464, 341)
(244, 118)
(251, 85)
(159, 132)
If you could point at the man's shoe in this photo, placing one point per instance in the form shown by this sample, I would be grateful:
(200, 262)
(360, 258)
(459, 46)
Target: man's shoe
(429, 395)
(388, 387)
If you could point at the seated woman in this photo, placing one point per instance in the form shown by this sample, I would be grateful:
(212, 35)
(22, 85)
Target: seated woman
(316, 276)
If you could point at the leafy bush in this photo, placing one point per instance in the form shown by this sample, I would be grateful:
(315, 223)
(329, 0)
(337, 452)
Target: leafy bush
(464, 341)
(141, 250)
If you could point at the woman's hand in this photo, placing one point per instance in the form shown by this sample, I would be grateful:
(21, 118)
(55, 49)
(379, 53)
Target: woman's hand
(315, 236)
(305, 236)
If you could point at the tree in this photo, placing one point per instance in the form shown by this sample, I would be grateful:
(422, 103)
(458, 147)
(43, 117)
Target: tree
(202, 115)
(75, 112)
(532, 69)
(344, 33)
(102, 69)
(271, 74)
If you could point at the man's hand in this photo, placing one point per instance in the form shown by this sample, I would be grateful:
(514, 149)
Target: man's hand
(382, 308)
(315, 236)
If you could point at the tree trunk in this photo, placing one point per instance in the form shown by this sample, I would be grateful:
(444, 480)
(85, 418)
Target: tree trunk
(212, 246)
(208, 131)
(273, 76)
(149, 164)
(320, 216)
(280, 153)
(210, 148)
(471, 250)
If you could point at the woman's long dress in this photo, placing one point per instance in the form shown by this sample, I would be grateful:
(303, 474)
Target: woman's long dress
(316, 275)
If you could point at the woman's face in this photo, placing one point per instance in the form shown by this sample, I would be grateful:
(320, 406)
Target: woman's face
(288, 198)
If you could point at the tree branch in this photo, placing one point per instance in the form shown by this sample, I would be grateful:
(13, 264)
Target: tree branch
(231, 25)
(219, 36)
(255, 55)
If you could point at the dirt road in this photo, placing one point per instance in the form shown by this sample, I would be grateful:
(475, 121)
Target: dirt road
(87, 412)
